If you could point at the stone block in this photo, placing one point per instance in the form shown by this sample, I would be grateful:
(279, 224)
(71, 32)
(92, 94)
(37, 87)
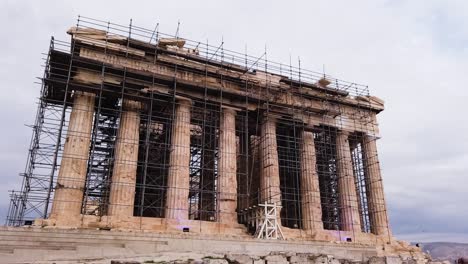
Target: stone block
(276, 259)
(377, 260)
(238, 259)
(179, 261)
(409, 261)
(322, 259)
(332, 260)
(215, 261)
(393, 260)
(347, 261)
(300, 259)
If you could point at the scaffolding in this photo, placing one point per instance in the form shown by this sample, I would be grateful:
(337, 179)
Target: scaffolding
(278, 90)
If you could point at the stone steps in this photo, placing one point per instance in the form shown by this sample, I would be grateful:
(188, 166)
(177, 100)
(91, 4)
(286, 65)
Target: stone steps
(64, 238)
(106, 236)
(24, 245)
(50, 242)
(14, 247)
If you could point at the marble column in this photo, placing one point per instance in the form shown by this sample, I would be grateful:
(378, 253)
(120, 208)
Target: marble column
(227, 167)
(254, 171)
(375, 194)
(349, 217)
(72, 174)
(122, 192)
(178, 176)
(269, 167)
(310, 192)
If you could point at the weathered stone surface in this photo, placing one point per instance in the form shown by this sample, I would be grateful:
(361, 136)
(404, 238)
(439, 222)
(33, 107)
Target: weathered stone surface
(238, 259)
(215, 261)
(347, 189)
(122, 194)
(310, 191)
(227, 167)
(178, 174)
(269, 166)
(377, 206)
(393, 260)
(301, 259)
(276, 259)
(321, 259)
(409, 261)
(332, 260)
(72, 174)
(377, 260)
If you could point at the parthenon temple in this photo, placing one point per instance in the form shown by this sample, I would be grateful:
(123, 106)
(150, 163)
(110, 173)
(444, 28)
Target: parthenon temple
(139, 130)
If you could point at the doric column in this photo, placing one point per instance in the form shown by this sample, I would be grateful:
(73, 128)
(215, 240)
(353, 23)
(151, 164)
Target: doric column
(122, 193)
(227, 167)
(376, 200)
(72, 175)
(254, 171)
(350, 219)
(269, 166)
(178, 175)
(310, 192)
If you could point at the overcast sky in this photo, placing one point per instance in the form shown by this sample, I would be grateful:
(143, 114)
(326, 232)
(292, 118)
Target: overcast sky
(412, 54)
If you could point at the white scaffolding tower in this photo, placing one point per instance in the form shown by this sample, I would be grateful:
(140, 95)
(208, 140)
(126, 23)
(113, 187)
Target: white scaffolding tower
(267, 222)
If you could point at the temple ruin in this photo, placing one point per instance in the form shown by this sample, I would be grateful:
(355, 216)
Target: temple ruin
(139, 130)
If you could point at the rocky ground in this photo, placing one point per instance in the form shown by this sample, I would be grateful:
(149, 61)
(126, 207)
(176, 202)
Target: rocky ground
(272, 258)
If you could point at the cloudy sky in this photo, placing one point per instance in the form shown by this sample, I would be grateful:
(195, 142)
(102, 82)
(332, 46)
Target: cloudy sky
(413, 54)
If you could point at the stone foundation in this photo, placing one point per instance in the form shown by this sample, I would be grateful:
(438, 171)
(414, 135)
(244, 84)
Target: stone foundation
(46, 245)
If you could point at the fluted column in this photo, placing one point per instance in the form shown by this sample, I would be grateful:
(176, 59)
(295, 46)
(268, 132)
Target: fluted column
(72, 174)
(350, 219)
(310, 192)
(254, 171)
(178, 176)
(269, 166)
(227, 167)
(122, 193)
(375, 194)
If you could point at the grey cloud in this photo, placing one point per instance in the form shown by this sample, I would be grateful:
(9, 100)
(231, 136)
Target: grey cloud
(410, 53)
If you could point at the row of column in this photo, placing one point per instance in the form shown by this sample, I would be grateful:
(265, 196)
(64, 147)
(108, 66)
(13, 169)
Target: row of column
(309, 180)
(71, 179)
(177, 203)
(72, 175)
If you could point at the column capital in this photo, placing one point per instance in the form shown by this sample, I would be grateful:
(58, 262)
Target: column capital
(269, 117)
(310, 125)
(131, 105)
(370, 137)
(75, 92)
(183, 100)
(344, 132)
(229, 109)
